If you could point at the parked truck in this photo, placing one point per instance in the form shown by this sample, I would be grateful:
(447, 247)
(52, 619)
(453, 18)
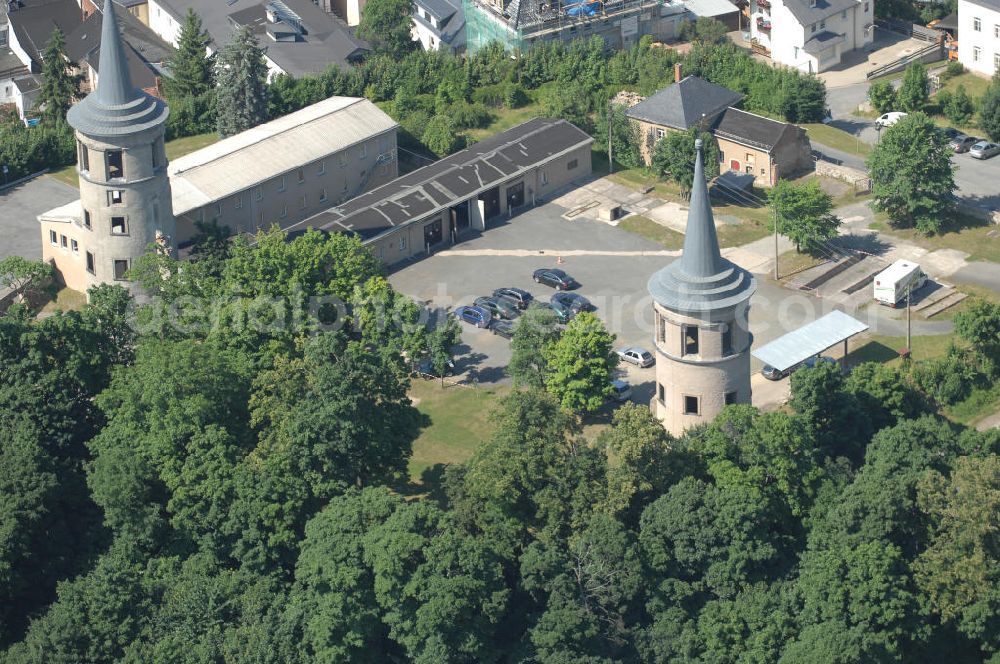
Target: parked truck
(892, 283)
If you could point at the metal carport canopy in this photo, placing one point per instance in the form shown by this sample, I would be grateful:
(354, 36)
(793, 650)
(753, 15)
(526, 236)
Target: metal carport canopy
(812, 339)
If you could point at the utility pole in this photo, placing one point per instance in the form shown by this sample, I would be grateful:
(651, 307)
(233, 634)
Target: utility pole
(775, 213)
(611, 157)
(908, 290)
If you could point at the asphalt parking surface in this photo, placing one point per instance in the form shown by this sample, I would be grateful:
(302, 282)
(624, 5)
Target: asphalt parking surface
(613, 278)
(20, 206)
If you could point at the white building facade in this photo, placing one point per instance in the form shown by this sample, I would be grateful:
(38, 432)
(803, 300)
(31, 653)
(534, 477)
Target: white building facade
(811, 35)
(979, 35)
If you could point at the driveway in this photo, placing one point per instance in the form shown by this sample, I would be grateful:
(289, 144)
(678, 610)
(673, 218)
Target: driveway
(21, 205)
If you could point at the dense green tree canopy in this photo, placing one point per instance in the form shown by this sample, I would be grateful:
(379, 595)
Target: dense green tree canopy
(191, 66)
(912, 174)
(805, 214)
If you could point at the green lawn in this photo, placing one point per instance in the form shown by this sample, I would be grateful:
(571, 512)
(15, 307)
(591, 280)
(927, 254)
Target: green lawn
(175, 148)
(66, 299)
(504, 118)
(649, 229)
(978, 238)
(837, 139)
(792, 262)
(974, 85)
(878, 348)
(458, 422)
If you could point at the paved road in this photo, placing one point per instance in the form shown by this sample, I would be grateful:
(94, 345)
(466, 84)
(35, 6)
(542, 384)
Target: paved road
(976, 180)
(20, 206)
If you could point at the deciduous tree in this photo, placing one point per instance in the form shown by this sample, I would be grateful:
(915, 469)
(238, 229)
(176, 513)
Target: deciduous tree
(913, 93)
(882, 96)
(387, 24)
(580, 364)
(674, 155)
(804, 214)
(912, 174)
(533, 334)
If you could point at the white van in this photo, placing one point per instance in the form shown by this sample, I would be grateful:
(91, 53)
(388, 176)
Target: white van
(892, 283)
(889, 119)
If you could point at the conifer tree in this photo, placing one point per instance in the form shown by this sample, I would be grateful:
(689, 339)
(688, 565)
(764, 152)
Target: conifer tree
(191, 66)
(241, 76)
(61, 81)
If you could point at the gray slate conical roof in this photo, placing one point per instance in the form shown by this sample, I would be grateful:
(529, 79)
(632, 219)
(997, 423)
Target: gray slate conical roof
(116, 107)
(701, 279)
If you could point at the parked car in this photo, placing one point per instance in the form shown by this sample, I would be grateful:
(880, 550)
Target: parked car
(502, 328)
(950, 133)
(499, 307)
(474, 316)
(519, 298)
(889, 119)
(640, 357)
(426, 368)
(558, 279)
(774, 374)
(562, 314)
(962, 143)
(984, 150)
(620, 390)
(572, 301)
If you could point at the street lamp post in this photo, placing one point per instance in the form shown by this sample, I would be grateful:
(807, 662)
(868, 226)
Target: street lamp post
(611, 157)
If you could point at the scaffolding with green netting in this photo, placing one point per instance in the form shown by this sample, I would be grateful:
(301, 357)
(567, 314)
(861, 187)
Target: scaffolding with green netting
(520, 22)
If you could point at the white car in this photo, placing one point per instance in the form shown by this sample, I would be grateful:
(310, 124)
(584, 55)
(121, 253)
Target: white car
(889, 119)
(620, 390)
(640, 357)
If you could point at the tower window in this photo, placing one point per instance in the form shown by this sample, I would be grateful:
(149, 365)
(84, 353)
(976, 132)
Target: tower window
(53, 237)
(115, 166)
(115, 196)
(74, 246)
(157, 151)
(62, 241)
(660, 392)
(690, 405)
(118, 226)
(84, 157)
(121, 267)
(727, 340)
(90, 263)
(690, 340)
(86, 219)
(730, 398)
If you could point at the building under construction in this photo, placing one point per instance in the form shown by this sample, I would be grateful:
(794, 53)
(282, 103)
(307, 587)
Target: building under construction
(520, 23)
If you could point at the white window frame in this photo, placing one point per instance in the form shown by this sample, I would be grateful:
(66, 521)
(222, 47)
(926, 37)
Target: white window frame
(74, 246)
(402, 243)
(54, 238)
(322, 168)
(977, 24)
(976, 53)
(281, 184)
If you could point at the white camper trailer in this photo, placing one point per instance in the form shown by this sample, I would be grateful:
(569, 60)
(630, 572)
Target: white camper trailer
(892, 283)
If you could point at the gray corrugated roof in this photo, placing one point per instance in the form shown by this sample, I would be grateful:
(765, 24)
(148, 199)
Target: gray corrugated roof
(682, 105)
(451, 180)
(327, 39)
(116, 107)
(806, 13)
(701, 279)
(822, 41)
(750, 129)
(809, 340)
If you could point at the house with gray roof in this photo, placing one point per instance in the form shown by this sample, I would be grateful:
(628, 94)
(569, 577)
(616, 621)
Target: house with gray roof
(749, 144)
(439, 25)
(811, 35)
(299, 38)
(26, 27)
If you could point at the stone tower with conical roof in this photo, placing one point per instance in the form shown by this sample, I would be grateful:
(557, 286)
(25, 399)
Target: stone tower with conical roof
(124, 190)
(701, 304)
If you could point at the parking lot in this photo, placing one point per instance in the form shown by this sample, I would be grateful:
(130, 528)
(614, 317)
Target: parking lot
(612, 267)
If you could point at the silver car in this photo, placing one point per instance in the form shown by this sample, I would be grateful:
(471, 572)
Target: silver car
(984, 150)
(640, 357)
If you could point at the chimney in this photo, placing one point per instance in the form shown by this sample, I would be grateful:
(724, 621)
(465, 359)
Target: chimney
(677, 73)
